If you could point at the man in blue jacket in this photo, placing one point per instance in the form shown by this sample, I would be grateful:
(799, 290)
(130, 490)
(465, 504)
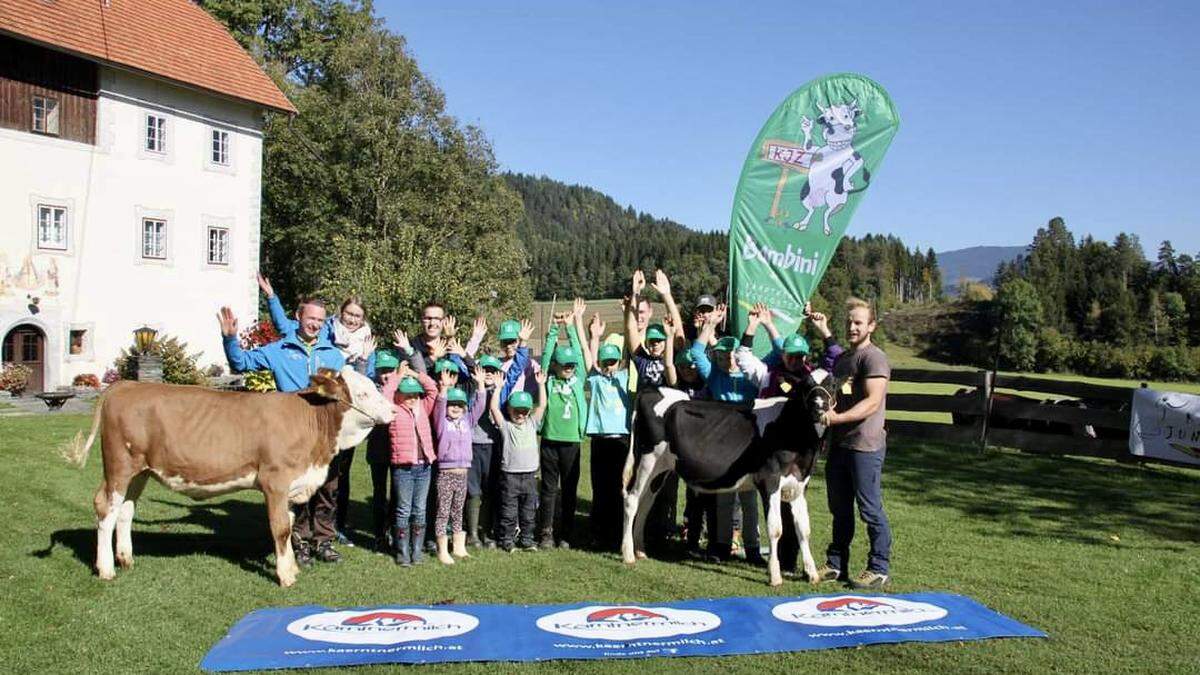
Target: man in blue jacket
(292, 360)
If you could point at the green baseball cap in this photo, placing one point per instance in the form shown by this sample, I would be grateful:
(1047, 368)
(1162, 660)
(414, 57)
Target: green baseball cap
(510, 330)
(564, 355)
(726, 344)
(489, 361)
(386, 358)
(410, 385)
(795, 344)
(456, 395)
(685, 359)
(609, 353)
(655, 332)
(521, 399)
(445, 364)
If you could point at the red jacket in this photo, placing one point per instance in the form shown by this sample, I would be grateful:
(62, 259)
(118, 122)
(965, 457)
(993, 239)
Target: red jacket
(410, 432)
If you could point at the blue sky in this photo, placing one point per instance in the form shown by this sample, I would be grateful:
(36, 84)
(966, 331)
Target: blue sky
(1011, 113)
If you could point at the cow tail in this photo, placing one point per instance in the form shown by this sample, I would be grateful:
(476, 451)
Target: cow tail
(75, 451)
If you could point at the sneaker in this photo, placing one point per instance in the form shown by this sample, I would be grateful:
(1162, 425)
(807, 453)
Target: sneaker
(506, 547)
(326, 553)
(755, 558)
(529, 546)
(564, 545)
(342, 539)
(869, 579)
(304, 554)
(828, 572)
(547, 543)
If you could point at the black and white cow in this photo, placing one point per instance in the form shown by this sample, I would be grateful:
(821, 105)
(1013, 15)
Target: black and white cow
(770, 446)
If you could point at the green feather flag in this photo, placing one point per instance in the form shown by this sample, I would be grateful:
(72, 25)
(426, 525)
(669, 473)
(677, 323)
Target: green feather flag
(810, 166)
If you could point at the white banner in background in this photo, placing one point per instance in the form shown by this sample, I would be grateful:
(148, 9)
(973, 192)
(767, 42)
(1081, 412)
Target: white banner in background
(1165, 425)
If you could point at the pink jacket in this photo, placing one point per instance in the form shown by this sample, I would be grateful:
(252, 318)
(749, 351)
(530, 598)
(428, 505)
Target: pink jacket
(410, 432)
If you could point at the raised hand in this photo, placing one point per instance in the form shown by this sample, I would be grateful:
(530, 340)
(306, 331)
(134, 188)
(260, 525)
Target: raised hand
(449, 326)
(453, 346)
(437, 348)
(479, 328)
(765, 316)
(526, 331)
(479, 376)
(596, 327)
(669, 327)
(661, 283)
(265, 285)
(639, 283)
(753, 318)
(562, 317)
(580, 309)
(718, 314)
(540, 376)
(369, 346)
(446, 380)
(404, 370)
(400, 340)
(228, 322)
(821, 323)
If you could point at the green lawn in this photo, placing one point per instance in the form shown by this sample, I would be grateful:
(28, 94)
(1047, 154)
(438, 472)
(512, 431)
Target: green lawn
(1103, 557)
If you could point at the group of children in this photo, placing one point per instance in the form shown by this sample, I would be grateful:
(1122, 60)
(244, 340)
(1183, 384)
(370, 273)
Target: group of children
(491, 443)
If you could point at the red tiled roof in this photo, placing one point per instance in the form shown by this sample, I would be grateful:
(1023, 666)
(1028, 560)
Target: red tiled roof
(173, 39)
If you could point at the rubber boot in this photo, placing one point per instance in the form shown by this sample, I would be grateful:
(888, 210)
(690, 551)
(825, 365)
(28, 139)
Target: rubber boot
(402, 556)
(460, 545)
(443, 550)
(418, 536)
(472, 516)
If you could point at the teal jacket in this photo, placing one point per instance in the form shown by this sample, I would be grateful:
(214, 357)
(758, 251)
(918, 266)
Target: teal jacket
(288, 359)
(576, 385)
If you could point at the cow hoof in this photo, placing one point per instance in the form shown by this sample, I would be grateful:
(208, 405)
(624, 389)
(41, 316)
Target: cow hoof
(125, 563)
(107, 575)
(640, 555)
(777, 581)
(286, 580)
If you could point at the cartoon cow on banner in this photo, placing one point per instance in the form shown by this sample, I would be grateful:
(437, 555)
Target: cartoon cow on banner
(830, 176)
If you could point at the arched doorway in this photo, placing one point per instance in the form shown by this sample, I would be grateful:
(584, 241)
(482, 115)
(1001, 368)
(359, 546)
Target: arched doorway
(26, 344)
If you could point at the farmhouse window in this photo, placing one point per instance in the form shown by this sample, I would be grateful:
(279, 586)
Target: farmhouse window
(45, 115)
(156, 133)
(154, 238)
(77, 338)
(52, 227)
(220, 147)
(218, 246)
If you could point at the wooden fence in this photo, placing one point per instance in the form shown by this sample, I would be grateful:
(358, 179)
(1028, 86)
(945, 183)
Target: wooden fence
(985, 412)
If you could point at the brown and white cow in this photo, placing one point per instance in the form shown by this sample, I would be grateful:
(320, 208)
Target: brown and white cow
(205, 443)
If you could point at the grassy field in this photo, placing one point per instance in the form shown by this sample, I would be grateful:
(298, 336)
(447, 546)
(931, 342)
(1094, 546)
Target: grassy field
(1103, 557)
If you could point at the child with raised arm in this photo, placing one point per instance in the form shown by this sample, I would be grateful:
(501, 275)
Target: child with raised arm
(519, 464)
(454, 425)
(483, 490)
(609, 407)
(563, 429)
(413, 453)
(646, 350)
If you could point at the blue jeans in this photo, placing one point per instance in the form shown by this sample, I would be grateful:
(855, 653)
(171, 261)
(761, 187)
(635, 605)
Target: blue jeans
(411, 485)
(852, 476)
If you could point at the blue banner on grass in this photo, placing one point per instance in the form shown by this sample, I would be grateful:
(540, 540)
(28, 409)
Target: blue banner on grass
(311, 636)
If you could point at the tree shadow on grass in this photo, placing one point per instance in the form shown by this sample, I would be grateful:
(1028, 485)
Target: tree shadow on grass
(1070, 498)
(235, 530)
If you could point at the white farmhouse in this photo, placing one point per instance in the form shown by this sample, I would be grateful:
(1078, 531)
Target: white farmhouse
(130, 179)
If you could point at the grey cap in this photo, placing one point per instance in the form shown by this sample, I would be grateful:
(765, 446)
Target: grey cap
(706, 300)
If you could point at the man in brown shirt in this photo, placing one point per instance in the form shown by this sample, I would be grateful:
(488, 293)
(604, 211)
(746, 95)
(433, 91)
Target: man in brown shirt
(854, 467)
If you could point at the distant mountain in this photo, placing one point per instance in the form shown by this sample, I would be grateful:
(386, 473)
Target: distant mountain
(975, 263)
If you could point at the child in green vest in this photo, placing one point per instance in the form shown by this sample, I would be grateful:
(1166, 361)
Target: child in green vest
(562, 430)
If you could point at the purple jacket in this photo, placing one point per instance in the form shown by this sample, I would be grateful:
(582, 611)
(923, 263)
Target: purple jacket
(454, 437)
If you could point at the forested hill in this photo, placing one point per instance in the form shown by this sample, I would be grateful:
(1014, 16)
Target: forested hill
(582, 243)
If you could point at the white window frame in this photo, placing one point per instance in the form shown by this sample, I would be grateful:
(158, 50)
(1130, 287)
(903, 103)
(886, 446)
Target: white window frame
(50, 117)
(219, 230)
(161, 126)
(159, 239)
(43, 208)
(220, 140)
